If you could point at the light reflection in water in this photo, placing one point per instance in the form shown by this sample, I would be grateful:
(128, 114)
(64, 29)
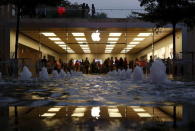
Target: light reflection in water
(95, 112)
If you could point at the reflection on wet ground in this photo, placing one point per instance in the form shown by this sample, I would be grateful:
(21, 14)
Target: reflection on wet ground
(94, 90)
(96, 102)
(111, 118)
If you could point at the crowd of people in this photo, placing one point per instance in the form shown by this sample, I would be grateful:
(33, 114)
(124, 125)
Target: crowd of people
(97, 67)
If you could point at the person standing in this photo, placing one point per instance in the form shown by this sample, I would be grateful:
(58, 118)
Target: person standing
(93, 10)
(125, 63)
(121, 63)
(87, 64)
(87, 9)
(83, 10)
(116, 62)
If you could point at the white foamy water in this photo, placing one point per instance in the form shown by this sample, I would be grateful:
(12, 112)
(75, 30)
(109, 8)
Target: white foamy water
(62, 74)
(138, 74)
(25, 74)
(43, 74)
(158, 72)
(55, 74)
(107, 90)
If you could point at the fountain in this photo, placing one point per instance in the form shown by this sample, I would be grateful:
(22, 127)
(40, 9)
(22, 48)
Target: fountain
(43, 74)
(138, 73)
(55, 74)
(158, 72)
(62, 74)
(25, 74)
(128, 73)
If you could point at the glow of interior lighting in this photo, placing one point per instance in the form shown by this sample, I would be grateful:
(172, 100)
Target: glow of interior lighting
(113, 110)
(85, 48)
(144, 34)
(112, 107)
(77, 114)
(134, 43)
(131, 46)
(95, 112)
(59, 42)
(110, 46)
(115, 34)
(48, 34)
(115, 115)
(144, 115)
(54, 38)
(55, 109)
(112, 42)
(95, 36)
(128, 48)
(86, 51)
(48, 114)
(138, 39)
(80, 109)
(135, 106)
(82, 42)
(83, 45)
(138, 109)
(80, 39)
(71, 51)
(63, 45)
(113, 39)
(78, 34)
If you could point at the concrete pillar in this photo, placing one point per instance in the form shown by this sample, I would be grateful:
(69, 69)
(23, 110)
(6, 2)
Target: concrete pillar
(4, 43)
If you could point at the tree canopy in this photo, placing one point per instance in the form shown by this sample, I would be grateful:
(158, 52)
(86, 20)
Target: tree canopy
(163, 12)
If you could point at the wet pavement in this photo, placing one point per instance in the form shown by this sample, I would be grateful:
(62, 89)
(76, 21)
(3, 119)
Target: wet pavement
(96, 102)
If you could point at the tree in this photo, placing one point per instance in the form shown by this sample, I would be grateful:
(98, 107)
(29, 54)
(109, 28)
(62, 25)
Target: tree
(26, 7)
(164, 12)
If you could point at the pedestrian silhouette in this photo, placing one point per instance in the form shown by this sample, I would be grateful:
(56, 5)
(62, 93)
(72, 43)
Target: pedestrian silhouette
(83, 10)
(93, 10)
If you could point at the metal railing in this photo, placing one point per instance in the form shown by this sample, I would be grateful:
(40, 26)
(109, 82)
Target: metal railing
(79, 13)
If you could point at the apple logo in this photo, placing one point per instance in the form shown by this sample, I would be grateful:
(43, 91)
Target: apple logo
(95, 36)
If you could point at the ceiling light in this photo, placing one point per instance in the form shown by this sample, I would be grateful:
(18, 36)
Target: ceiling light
(115, 34)
(84, 46)
(131, 46)
(113, 39)
(62, 45)
(110, 46)
(54, 109)
(138, 109)
(113, 110)
(112, 42)
(48, 114)
(54, 38)
(144, 115)
(78, 34)
(82, 39)
(48, 34)
(134, 43)
(95, 36)
(59, 42)
(138, 39)
(109, 49)
(77, 114)
(70, 51)
(115, 115)
(128, 48)
(144, 34)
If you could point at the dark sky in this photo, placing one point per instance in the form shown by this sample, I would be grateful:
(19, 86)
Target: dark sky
(112, 4)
